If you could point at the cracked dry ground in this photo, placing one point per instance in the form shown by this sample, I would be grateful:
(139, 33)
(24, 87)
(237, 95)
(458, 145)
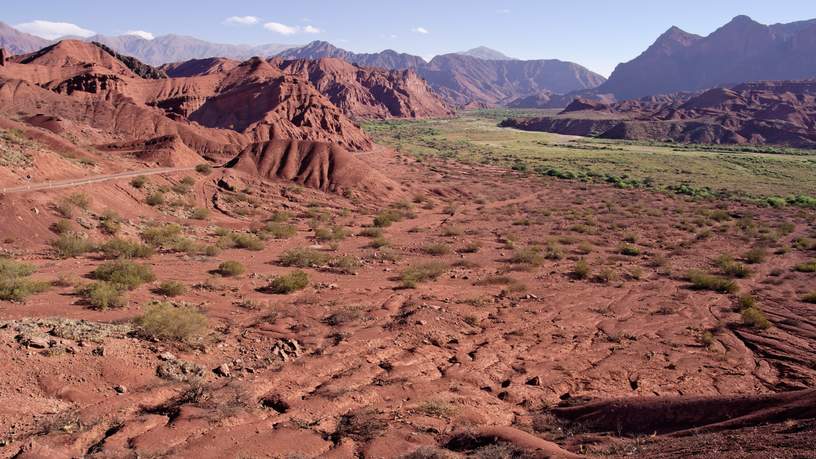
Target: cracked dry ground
(355, 366)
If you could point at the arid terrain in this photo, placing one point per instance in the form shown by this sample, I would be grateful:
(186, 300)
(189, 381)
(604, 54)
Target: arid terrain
(297, 258)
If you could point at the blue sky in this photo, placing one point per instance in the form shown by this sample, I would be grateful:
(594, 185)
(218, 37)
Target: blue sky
(595, 33)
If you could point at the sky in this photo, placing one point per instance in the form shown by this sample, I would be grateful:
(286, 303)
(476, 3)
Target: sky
(597, 34)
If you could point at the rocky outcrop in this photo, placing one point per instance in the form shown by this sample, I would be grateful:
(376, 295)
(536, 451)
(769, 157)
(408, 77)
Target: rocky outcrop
(771, 112)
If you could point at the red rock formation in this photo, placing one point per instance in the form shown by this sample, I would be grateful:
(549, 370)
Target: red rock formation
(771, 112)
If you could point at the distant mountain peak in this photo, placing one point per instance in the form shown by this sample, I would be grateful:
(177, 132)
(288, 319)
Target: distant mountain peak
(488, 54)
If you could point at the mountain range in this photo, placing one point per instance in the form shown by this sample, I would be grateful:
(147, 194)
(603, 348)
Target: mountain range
(741, 50)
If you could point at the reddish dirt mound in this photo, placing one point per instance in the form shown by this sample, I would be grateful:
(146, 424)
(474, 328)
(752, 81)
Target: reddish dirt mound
(317, 165)
(772, 112)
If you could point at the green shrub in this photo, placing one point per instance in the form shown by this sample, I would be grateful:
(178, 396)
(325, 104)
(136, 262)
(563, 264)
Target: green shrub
(20, 288)
(746, 302)
(204, 169)
(155, 199)
(581, 269)
(171, 289)
(553, 252)
(110, 223)
(303, 258)
(810, 298)
(528, 256)
(211, 251)
(436, 249)
(345, 264)
(163, 321)
(808, 267)
(754, 317)
(67, 205)
(123, 248)
(629, 250)
(72, 245)
(387, 217)
(470, 247)
(124, 273)
(166, 235)
(231, 269)
(62, 226)
(449, 231)
(14, 282)
(333, 233)
(138, 182)
(279, 230)
(292, 282)
(372, 232)
(732, 268)
(703, 281)
(199, 213)
(755, 255)
(240, 241)
(103, 295)
(279, 216)
(416, 274)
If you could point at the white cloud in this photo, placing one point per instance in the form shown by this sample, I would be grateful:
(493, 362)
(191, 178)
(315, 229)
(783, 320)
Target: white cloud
(241, 20)
(282, 29)
(421, 30)
(141, 34)
(51, 30)
(503, 11)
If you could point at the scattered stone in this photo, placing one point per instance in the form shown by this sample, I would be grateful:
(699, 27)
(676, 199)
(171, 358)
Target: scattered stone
(179, 370)
(99, 351)
(120, 389)
(167, 356)
(286, 349)
(534, 381)
(223, 370)
(36, 342)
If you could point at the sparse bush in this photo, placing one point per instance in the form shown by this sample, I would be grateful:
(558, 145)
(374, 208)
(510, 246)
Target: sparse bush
(125, 273)
(303, 258)
(754, 317)
(72, 245)
(165, 236)
(110, 223)
(164, 321)
(528, 256)
(15, 284)
(292, 282)
(416, 274)
(333, 233)
(345, 264)
(746, 302)
(171, 289)
(155, 199)
(436, 249)
(581, 269)
(372, 232)
(732, 268)
(103, 295)
(378, 243)
(123, 248)
(553, 252)
(279, 216)
(62, 226)
(199, 213)
(629, 250)
(231, 269)
(388, 217)
(279, 230)
(241, 241)
(449, 231)
(606, 276)
(755, 255)
(138, 182)
(810, 298)
(703, 281)
(204, 169)
(471, 247)
(211, 251)
(67, 205)
(807, 267)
